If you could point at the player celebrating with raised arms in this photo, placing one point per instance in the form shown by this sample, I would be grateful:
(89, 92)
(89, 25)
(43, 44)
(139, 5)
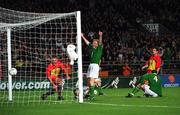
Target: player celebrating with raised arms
(53, 75)
(96, 49)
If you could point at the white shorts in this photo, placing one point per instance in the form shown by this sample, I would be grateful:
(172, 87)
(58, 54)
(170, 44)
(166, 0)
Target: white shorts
(93, 71)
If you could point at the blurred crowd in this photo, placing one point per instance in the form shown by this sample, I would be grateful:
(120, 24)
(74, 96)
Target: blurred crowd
(124, 38)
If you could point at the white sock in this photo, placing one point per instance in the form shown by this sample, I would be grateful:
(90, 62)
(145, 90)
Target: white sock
(131, 84)
(134, 80)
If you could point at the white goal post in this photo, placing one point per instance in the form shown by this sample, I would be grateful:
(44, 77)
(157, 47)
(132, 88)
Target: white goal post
(28, 42)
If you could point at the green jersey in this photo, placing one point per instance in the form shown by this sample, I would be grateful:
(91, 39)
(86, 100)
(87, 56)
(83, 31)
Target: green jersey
(95, 54)
(154, 82)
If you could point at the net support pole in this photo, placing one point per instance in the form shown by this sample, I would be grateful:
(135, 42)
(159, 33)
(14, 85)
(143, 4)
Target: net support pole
(79, 51)
(9, 63)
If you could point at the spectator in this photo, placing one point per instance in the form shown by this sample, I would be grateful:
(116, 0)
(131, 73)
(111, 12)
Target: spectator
(126, 70)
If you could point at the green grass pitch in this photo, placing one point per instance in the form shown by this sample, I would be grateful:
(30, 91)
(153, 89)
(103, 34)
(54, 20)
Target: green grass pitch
(113, 103)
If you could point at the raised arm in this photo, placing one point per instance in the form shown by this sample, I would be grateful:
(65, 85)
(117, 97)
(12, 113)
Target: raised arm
(85, 40)
(100, 37)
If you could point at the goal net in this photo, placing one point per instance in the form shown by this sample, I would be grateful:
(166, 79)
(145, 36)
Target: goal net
(28, 42)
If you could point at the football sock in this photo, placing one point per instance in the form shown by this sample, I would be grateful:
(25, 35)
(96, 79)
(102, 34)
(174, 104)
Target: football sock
(135, 90)
(52, 91)
(91, 91)
(99, 89)
(59, 90)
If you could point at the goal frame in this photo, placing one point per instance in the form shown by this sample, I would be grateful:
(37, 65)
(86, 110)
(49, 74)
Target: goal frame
(79, 52)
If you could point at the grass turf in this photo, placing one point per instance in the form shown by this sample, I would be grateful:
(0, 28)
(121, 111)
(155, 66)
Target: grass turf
(113, 103)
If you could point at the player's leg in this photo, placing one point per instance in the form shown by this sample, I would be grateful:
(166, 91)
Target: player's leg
(86, 92)
(51, 91)
(91, 88)
(98, 86)
(60, 97)
(90, 81)
(133, 82)
(137, 88)
(45, 95)
(59, 83)
(148, 91)
(150, 84)
(94, 72)
(76, 93)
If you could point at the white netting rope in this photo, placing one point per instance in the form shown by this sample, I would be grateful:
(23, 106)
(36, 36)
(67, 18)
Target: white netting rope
(21, 20)
(35, 38)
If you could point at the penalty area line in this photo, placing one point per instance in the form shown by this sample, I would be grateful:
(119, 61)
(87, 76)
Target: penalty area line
(140, 106)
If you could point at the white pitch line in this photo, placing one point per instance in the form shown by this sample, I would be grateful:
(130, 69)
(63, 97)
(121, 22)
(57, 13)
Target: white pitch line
(141, 106)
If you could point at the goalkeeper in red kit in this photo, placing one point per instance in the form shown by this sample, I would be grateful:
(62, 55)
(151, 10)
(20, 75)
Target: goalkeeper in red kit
(53, 74)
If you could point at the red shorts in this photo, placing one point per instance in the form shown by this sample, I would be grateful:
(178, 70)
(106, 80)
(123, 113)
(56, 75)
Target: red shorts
(149, 71)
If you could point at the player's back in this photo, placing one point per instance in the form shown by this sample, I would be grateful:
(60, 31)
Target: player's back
(155, 83)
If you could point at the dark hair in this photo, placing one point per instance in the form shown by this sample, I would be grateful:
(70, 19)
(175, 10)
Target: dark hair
(157, 48)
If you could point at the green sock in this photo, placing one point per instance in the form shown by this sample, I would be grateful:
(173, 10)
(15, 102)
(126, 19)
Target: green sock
(99, 89)
(91, 91)
(135, 90)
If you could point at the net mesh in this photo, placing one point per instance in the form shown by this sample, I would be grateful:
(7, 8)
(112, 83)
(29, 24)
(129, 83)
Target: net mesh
(35, 39)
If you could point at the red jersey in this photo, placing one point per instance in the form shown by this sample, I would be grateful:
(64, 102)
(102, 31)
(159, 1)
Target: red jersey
(54, 70)
(153, 63)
